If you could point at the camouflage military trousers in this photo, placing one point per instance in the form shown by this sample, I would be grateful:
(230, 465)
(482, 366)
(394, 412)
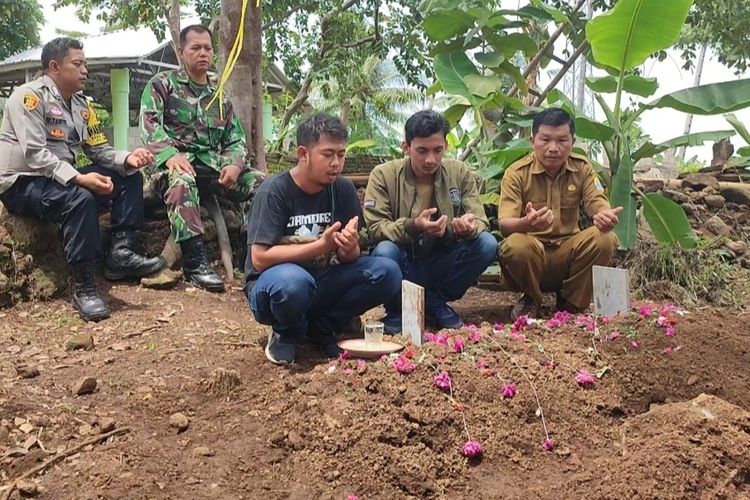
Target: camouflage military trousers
(182, 198)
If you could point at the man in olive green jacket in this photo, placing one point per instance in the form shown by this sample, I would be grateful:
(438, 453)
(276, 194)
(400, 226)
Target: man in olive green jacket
(424, 212)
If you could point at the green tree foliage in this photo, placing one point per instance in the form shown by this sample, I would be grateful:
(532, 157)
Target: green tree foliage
(20, 21)
(722, 25)
(374, 98)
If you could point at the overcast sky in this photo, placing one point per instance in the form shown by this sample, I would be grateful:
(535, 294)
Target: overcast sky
(660, 124)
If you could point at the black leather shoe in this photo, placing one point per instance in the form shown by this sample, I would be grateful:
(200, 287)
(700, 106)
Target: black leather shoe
(123, 262)
(195, 266)
(86, 299)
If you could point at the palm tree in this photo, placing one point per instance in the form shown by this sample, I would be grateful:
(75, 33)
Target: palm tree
(374, 99)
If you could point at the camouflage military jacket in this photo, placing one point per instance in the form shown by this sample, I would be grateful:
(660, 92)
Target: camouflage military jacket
(174, 119)
(42, 134)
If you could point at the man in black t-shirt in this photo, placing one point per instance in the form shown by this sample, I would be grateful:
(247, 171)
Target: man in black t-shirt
(304, 273)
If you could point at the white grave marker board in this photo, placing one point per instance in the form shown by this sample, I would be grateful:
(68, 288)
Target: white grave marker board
(611, 290)
(412, 311)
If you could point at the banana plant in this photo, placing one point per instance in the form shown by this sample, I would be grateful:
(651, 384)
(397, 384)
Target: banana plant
(477, 47)
(621, 40)
(742, 160)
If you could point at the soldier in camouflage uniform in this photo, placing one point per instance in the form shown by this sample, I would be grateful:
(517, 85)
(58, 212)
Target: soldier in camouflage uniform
(56, 165)
(197, 147)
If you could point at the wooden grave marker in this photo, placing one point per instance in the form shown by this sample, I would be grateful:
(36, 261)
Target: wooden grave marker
(611, 290)
(412, 311)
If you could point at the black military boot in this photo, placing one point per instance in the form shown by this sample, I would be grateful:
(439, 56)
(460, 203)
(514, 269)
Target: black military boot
(123, 262)
(86, 299)
(195, 266)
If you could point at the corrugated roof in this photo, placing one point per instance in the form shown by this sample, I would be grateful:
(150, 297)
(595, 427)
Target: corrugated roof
(124, 44)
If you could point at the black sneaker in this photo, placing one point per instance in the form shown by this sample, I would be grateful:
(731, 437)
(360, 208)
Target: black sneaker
(443, 315)
(280, 350)
(327, 342)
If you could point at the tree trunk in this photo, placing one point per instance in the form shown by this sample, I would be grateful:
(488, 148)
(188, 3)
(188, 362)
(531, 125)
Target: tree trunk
(245, 87)
(346, 108)
(680, 153)
(173, 21)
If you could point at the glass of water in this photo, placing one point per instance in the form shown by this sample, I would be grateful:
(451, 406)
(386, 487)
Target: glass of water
(373, 334)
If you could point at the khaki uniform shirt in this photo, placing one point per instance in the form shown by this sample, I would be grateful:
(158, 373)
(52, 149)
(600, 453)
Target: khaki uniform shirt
(43, 135)
(576, 183)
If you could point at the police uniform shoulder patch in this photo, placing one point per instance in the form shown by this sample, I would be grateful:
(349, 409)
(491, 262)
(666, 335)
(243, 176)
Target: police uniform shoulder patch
(30, 102)
(55, 110)
(57, 133)
(85, 114)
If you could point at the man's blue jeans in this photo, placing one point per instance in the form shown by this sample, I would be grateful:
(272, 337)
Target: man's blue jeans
(445, 274)
(289, 297)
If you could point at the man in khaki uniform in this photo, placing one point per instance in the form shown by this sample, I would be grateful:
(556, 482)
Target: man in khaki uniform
(424, 211)
(544, 250)
(56, 165)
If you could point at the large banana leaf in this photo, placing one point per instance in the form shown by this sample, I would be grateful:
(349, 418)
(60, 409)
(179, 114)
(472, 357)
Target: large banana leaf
(445, 24)
(500, 160)
(710, 99)
(650, 149)
(454, 113)
(451, 69)
(668, 221)
(633, 84)
(620, 196)
(634, 29)
(590, 129)
(509, 44)
(738, 126)
(490, 59)
(483, 85)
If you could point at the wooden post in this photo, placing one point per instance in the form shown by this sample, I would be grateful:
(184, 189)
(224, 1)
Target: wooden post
(412, 311)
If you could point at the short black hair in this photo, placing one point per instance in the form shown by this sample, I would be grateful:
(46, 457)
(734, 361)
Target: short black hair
(310, 130)
(57, 49)
(554, 117)
(426, 123)
(198, 28)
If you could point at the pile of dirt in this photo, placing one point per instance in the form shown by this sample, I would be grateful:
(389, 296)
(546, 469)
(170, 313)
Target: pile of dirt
(328, 430)
(32, 264)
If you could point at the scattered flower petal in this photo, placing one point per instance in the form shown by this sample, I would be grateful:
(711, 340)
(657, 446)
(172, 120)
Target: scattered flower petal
(472, 449)
(669, 332)
(475, 336)
(634, 344)
(585, 379)
(549, 444)
(646, 310)
(481, 363)
(586, 321)
(613, 335)
(458, 344)
(559, 319)
(443, 380)
(509, 390)
(402, 365)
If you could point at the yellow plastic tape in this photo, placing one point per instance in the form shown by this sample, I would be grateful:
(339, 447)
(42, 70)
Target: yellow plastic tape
(234, 55)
